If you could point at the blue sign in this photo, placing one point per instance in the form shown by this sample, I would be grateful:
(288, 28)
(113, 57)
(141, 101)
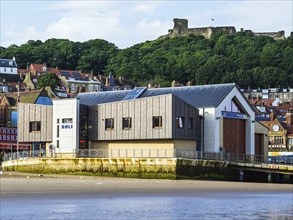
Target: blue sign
(66, 126)
(232, 115)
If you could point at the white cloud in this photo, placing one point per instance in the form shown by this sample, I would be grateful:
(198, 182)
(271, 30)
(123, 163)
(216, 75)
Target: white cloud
(125, 23)
(82, 4)
(261, 16)
(148, 7)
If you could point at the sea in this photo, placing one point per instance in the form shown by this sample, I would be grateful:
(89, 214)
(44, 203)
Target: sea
(203, 205)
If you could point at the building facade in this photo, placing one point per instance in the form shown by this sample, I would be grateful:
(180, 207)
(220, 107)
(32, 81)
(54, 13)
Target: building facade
(210, 118)
(280, 133)
(23, 116)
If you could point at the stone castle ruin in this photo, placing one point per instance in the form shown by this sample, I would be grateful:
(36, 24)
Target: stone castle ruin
(181, 29)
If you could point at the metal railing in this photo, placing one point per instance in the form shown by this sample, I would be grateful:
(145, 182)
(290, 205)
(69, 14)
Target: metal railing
(157, 153)
(22, 155)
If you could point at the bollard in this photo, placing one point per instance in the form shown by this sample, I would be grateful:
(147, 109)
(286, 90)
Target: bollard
(270, 177)
(241, 175)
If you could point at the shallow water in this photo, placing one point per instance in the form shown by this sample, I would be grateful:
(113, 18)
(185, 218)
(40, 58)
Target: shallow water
(205, 205)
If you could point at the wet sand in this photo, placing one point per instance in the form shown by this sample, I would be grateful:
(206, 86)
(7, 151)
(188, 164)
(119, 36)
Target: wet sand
(21, 184)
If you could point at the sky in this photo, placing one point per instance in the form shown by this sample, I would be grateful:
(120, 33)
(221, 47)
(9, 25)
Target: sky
(126, 23)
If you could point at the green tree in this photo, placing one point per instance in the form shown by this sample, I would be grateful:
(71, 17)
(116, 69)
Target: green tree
(49, 79)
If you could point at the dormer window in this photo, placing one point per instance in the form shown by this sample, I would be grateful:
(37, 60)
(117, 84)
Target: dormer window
(44, 69)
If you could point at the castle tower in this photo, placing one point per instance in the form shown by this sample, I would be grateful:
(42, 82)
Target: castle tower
(180, 26)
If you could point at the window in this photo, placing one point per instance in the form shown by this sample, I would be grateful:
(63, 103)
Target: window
(109, 123)
(67, 120)
(57, 143)
(13, 119)
(278, 140)
(157, 121)
(35, 126)
(190, 123)
(179, 122)
(232, 107)
(126, 123)
(58, 121)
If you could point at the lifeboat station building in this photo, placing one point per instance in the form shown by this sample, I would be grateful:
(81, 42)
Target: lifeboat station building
(158, 121)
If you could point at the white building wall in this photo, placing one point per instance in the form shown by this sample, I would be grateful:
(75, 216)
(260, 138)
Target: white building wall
(211, 129)
(68, 132)
(212, 124)
(8, 70)
(250, 119)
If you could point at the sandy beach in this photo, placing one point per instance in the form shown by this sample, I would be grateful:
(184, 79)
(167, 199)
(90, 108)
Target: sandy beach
(22, 183)
(34, 197)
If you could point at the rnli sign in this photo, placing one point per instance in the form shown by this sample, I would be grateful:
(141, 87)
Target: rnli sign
(66, 126)
(232, 115)
(8, 135)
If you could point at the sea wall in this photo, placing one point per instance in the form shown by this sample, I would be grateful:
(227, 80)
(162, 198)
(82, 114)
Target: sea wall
(160, 168)
(154, 168)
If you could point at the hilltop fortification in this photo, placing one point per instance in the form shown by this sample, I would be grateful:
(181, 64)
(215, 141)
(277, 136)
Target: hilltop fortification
(181, 29)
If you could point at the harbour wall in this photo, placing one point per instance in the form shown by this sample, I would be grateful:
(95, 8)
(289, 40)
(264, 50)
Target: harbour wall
(154, 168)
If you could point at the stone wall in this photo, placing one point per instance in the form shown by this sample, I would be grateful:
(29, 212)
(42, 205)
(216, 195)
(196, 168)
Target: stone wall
(181, 29)
(141, 168)
(157, 168)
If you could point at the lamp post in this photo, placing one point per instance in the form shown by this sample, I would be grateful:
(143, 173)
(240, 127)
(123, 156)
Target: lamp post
(17, 122)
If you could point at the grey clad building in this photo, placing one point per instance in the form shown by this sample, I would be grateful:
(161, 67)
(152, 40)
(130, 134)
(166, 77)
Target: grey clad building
(148, 122)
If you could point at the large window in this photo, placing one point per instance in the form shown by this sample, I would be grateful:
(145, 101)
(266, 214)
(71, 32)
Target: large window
(179, 122)
(109, 123)
(157, 121)
(232, 107)
(126, 123)
(35, 126)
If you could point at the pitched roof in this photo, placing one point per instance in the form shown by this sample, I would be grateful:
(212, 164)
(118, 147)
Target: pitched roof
(10, 77)
(39, 68)
(267, 102)
(95, 98)
(7, 63)
(24, 97)
(197, 96)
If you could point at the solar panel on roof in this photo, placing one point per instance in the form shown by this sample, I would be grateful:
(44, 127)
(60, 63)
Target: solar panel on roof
(66, 74)
(76, 74)
(135, 93)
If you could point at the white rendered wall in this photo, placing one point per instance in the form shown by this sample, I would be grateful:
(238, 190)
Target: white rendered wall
(211, 129)
(68, 132)
(212, 123)
(250, 119)
(8, 70)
